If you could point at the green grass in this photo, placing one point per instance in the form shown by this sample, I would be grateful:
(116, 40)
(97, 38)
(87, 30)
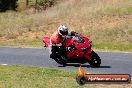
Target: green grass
(36, 42)
(114, 46)
(14, 76)
(33, 77)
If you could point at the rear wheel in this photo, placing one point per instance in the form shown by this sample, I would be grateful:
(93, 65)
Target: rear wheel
(95, 60)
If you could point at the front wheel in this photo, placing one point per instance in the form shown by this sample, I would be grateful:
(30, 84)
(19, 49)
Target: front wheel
(61, 60)
(95, 60)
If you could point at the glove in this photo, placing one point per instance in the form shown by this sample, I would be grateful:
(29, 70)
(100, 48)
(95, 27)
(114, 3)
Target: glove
(69, 49)
(73, 33)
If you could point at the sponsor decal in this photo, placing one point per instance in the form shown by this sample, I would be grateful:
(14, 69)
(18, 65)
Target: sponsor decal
(86, 78)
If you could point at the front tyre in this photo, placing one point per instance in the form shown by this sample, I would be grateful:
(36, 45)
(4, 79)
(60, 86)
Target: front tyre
(61, 60)
(95, 60)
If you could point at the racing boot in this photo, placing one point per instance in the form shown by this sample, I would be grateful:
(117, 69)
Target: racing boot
(51, 56)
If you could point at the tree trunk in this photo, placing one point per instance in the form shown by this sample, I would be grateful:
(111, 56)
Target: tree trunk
(27, 3)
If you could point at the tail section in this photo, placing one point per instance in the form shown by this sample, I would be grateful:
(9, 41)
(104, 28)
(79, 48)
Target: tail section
(46, 41)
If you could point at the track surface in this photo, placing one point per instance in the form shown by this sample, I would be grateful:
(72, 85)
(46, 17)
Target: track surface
(112, 62)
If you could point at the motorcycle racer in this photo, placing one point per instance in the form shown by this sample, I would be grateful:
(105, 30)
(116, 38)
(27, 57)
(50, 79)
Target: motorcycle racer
(58, 37)
(71, 47)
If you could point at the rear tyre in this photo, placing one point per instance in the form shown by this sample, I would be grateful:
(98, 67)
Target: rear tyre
(95, 60)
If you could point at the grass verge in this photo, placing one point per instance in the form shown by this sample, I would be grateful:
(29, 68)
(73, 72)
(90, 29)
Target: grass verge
(37, 43)
(33, 77)
(14, 76)
(114, 46)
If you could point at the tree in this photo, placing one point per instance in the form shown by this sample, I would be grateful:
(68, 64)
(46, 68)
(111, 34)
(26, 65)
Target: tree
(27, 3)
(8, 5)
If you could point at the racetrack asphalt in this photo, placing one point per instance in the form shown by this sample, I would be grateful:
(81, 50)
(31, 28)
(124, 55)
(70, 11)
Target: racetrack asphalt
(112, 62)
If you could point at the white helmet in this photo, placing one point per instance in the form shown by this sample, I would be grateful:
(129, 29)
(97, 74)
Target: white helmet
(63, 30)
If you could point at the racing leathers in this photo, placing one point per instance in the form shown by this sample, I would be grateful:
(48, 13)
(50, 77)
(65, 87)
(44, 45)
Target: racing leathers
(56, 41)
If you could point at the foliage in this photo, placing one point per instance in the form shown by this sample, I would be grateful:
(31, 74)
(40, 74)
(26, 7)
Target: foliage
(8, 4)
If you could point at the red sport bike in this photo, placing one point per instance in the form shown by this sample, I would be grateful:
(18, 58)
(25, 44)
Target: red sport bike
(80, 51)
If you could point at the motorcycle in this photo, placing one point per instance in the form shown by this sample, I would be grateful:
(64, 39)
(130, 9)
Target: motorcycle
(80, 51)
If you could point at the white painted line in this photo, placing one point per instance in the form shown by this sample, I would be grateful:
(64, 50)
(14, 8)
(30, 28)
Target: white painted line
(4, 64)
(112, 51)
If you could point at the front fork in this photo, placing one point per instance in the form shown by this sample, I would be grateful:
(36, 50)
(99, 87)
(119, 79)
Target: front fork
(87, 54)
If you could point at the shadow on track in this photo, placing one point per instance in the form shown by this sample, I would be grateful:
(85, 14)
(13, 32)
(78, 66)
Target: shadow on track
(78, 65)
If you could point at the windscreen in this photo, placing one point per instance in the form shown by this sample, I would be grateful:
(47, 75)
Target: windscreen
(78, 39)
